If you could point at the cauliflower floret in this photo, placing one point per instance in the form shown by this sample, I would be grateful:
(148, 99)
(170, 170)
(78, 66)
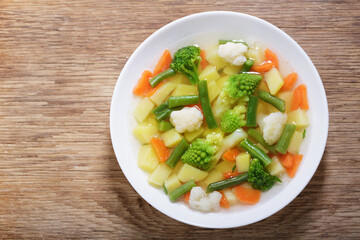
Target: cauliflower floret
(273, 126)
(187, 119)
(203, 202)
(233, 53)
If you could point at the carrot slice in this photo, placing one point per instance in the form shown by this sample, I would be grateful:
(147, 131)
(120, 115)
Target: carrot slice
(203, 62)
(286, 160)
(263, 67)
(230, 174)
(296, 100)
(161, 150)
(271, 56)
(224, 202)
(247, 195)
(186, 197)
(293, 169)
(143, 86)
(303, 95)
(289, 81)
(163, 63)
(231, 154)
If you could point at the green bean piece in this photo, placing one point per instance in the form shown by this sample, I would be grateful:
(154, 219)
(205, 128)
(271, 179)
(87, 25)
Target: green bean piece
(283, 143)
(177, 153)
(255, 152)
(181, 190)
(247, 65)
(223, 41)
(165, 190)
(165, 126)
(206, 105)
(165, 114)
(258, 137)
(183, 100)
(276, 102)
(216, 186)
(160, 108)
(161, 76)
(251, 111)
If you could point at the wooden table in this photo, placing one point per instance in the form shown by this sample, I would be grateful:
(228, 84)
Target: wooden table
(59, 62)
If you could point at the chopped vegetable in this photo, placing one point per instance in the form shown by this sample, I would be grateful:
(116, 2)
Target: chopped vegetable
(299, 99)
(255, 152)
(223, 41)
(241, 85)
(283, 143)
(203, 62)
(182, 190)
(143, 86)
(200, 154)
(224, 202)
(230, 141)
(264, 67)
(205, 104)
(247, 65)
(291, 171)
(163, 63)
(183, 100)
(247, 195)
(233, 53)
(177, 153)
(161, 150)
(271, 56)
(233, 119)
(231, 154)
(161, 76)
(186, 61)
(273, 126)
(227, 183)
(286, 160)
(276, 102)
(258, 176)
(203, 202)
(251, 111)
(289, 81)
(165, 126)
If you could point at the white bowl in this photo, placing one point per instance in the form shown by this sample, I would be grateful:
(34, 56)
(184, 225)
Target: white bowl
(206, 28)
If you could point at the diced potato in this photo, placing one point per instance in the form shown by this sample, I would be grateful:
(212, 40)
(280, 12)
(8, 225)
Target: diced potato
(157, 177)
(221, 80)
(190, 136)
(214, 90)
(295, 142)
(178, 166)
(262, 148)
(261, 108)
(214, 176)
(275, 167)
(299, 118)
(162, 93)
(287, 97)
(213, 58)
(178, 79)
(171, 138)
(231, 69)
(209, 74)
(151, 120)
(274, 80)
(184, 89)
(263, 86)
(147, 158)
(143, 109)
(188, 172)
(172, 183)
(243, 162)
(144, 132)
(224, 166)
(230, 196)
(257, 53)
(268, 107)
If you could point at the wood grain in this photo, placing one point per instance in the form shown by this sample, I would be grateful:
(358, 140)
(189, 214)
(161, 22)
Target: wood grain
(59, 62)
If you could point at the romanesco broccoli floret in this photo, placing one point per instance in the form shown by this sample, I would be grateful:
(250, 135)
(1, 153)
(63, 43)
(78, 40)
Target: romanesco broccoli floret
(200, 154)
(186, 61)
(241, 85)
(215, 138)
(259, 178)
(233, 119)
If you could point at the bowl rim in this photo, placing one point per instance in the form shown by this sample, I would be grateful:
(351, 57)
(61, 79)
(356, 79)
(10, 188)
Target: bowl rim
(279, 31)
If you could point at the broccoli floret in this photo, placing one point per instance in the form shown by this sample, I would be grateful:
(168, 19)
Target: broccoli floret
(186, 61)
(241, 85)
(259, 178)
(233, 119)
(200, 154)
